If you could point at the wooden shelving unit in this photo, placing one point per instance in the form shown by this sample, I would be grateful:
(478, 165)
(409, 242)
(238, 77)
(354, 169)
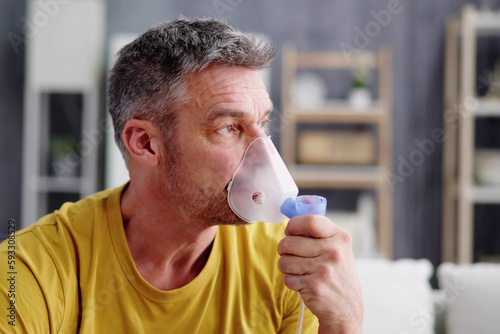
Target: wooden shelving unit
(462, 108)
(339, 112)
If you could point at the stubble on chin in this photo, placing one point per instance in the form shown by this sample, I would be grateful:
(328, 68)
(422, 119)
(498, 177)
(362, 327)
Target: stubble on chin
(215, 211)
(202, 207)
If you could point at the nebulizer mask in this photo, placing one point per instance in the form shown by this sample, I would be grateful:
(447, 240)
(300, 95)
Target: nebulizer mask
(263, 190)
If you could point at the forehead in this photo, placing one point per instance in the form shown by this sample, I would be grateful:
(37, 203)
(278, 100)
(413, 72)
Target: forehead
(218, 87)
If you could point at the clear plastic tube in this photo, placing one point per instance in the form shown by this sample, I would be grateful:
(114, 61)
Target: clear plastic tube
(302, 310)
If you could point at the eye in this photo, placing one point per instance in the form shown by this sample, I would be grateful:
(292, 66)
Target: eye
(262, 124)
(227, 129)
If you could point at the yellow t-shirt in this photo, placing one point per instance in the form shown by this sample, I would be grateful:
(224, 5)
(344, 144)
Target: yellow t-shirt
(73, 272)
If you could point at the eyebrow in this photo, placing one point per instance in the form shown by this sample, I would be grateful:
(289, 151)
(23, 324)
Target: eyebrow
(230, 113)
(224, 113)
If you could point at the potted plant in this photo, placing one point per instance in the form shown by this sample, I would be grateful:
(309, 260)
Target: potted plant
(61, 148)
(360, 96)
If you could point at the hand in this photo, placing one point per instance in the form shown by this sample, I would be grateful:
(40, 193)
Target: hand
(321, 268)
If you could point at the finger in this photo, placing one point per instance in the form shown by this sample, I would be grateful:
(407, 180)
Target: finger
(314, 225)
(293, 282)
(300, 246)
(302, 284)
(289, 264)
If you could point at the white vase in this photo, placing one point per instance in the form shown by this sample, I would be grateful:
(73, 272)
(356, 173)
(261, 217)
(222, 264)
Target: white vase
(360, 98)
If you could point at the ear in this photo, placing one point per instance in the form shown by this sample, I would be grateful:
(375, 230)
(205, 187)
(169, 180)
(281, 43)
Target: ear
(142, 139)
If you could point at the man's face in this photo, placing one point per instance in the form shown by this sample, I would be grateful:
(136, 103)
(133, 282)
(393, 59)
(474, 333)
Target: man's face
(227, 111)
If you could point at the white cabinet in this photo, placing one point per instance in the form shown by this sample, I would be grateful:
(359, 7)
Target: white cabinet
(62, 131)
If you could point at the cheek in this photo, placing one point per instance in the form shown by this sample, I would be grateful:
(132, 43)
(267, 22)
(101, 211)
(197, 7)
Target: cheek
(223, 165)
(232, 166)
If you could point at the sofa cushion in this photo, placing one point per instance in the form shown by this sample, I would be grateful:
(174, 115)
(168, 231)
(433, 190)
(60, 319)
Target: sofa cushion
(397, 296)
(471, 297)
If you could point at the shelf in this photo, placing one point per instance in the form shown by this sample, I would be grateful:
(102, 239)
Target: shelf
(485, 194)
(488, 107)
(460, 192)
(487, 23)
(333, 60)
(345, 177)
(338, 112)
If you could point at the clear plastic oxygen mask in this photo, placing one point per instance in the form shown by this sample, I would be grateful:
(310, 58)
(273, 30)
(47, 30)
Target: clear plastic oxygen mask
(261, 184)
(263, 190)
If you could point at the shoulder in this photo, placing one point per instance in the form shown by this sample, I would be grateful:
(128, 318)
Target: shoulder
(57, 238)
(46, 257)
(58, 232)
(72, 218)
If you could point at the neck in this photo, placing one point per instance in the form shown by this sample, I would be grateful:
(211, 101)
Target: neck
(169, 249)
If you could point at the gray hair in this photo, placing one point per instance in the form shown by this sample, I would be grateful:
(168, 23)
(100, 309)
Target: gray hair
(147, 80)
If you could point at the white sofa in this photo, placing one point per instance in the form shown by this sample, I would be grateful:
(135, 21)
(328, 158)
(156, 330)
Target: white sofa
(399, 299)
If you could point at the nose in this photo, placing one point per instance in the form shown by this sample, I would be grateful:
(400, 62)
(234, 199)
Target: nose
(255, 132)
(255, 154)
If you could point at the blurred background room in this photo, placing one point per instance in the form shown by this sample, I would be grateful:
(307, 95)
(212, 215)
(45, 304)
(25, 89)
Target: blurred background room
(389, 108)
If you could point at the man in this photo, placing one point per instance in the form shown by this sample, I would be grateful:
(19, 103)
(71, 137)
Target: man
(165, 253)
